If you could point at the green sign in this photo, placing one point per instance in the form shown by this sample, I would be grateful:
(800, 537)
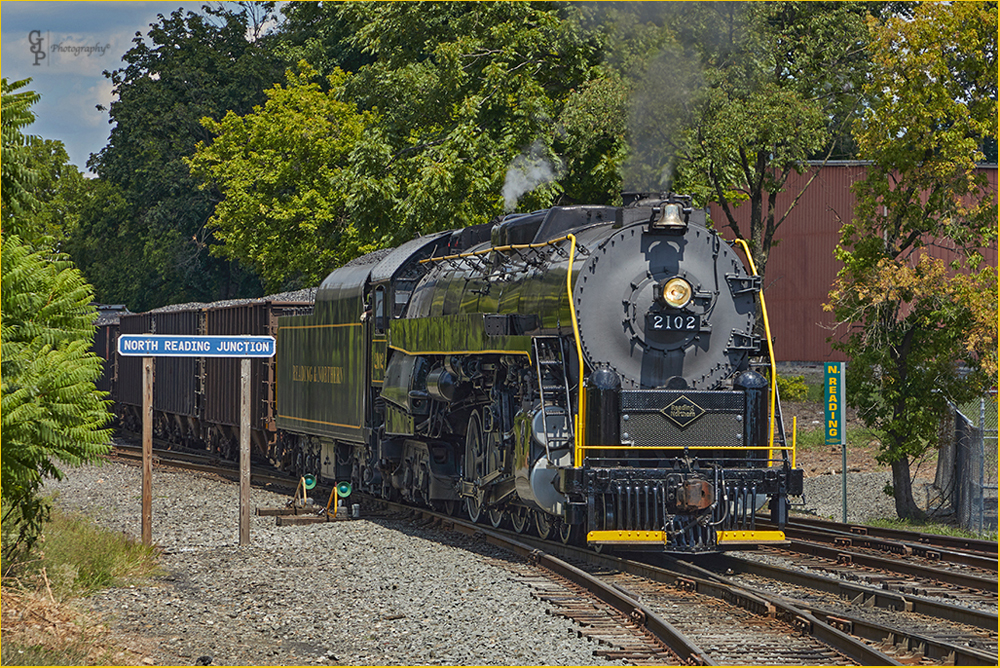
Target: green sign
(833, 394)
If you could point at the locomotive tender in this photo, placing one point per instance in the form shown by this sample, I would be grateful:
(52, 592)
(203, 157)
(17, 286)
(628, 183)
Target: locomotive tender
(584, 370)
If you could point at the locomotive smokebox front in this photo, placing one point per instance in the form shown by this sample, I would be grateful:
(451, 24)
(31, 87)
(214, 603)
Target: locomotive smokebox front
(667, 304)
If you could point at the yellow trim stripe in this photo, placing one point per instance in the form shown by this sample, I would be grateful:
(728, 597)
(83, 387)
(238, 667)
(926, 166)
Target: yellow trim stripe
(626, 537)
(502, 249)
(331, 424)
(767, 334)
(749, 536)
(661, 537)
(346, 324)
(740, 448)
(461, 352)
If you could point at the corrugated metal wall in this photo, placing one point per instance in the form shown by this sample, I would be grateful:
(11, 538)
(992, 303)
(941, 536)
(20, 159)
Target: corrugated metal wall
(801, 267)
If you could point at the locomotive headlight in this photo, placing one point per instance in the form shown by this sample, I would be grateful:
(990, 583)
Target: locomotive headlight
(677, 292)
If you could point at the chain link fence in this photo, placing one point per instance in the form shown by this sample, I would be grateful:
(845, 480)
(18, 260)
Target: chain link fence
(967, 465)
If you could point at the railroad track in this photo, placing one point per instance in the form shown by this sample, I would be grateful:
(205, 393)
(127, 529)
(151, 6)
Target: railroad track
(914, 539)
(649, 614)
(710, 624)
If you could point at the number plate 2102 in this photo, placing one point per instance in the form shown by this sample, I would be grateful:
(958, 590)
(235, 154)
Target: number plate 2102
(676, 322)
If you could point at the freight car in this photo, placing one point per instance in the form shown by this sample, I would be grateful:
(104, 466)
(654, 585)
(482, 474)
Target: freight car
(194, 403)
(588, 372)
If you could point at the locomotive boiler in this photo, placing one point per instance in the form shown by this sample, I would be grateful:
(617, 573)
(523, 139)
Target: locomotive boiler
(592, 372)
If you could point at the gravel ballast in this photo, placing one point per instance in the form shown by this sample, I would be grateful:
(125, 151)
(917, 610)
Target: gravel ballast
(375, 591)
(361, 592)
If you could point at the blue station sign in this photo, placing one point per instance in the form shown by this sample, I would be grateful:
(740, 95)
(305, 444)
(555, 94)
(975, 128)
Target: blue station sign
(181, 345)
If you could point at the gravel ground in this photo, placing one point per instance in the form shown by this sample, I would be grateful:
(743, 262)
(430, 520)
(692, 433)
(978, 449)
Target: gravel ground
(865, 498)
(364, 592)
(368, 592)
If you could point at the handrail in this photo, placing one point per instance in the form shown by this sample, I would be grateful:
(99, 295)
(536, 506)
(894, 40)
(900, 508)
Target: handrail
(502, 249)
(581, 401)
(770, 347)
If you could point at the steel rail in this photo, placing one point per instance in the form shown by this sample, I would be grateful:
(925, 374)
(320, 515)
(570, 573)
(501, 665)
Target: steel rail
(879, 598)
(844, 539)
(987, 547)
(942, 652)
(764, 604)
(688, 652)
(840, 554)
(926, 646)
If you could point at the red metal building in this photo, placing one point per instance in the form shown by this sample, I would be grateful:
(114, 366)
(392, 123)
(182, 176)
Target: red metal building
(801, 267)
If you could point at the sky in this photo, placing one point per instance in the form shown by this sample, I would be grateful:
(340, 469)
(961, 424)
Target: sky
(79, 40)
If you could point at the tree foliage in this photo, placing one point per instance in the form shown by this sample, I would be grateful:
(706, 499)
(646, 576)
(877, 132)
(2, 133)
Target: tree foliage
(921, 331)
(19, 177)
(284, 174)
(760, 89)
(445, 101)
(461, 90)
(50, 408)
(187, 67)
(58, 191)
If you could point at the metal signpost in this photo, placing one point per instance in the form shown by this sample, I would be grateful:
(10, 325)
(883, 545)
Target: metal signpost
(836, 425)
(149, 346)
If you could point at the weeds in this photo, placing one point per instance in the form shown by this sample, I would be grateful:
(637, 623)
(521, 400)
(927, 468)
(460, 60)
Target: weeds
(73, 558)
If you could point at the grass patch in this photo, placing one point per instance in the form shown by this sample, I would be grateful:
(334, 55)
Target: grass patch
(42, 623)
(935, 528)
(77, 558)
(857, 437)
(814, 392)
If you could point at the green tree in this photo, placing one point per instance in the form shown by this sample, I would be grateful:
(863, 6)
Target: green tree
(460, 91)
(594, 136)
(756, 91)
(19, 177)
(283, 174)
(920, 332)
(58, 191)
(50, 409)
(108, 245)
(317, 33)
(188, 66)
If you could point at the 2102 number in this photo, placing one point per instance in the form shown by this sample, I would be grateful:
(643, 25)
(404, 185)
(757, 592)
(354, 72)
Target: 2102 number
(683, 323)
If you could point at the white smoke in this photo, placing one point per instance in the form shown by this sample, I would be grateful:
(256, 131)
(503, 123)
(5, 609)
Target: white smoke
(528, 171)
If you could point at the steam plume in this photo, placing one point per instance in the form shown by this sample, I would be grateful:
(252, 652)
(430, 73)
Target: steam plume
(526, 172)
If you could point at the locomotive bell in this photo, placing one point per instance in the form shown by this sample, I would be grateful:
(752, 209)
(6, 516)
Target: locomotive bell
(672, 219)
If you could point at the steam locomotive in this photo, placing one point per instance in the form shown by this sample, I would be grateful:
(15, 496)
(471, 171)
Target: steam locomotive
(583, 372)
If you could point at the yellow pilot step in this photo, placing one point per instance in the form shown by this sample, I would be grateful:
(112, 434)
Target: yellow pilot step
(756, 537)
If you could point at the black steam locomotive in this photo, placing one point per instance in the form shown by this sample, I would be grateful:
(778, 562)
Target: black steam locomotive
(580, 371)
